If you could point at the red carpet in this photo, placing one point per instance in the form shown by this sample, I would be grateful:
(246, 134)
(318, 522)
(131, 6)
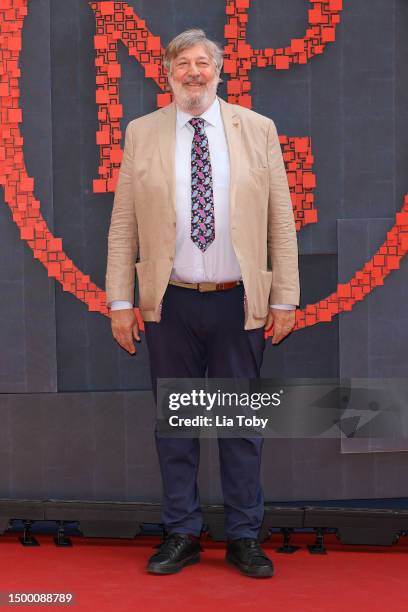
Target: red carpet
(110, 575)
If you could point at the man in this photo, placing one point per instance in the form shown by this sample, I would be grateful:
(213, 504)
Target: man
(202, 203)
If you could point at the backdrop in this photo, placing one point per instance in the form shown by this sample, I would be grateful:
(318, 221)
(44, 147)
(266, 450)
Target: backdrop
(76, 411)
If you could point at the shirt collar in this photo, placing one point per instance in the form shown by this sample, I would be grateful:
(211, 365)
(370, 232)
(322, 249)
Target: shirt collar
(211, 116)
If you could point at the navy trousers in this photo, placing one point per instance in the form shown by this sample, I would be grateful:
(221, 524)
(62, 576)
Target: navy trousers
(203, 334)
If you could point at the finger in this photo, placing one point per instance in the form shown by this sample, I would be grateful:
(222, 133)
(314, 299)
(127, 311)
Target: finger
(280, 334)
(126, 343)
(136, 333)
(129, 347)
(276, 338)
(269, 321)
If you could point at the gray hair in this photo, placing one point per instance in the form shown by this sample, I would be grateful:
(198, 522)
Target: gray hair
(188, 39)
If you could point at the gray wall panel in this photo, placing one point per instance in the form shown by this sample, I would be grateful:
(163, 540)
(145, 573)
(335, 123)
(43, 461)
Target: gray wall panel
(94, 439)
(100, 446)
(373, 337)
(27, 312)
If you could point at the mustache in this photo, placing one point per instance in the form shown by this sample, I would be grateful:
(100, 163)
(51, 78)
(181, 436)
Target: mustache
(193, 82)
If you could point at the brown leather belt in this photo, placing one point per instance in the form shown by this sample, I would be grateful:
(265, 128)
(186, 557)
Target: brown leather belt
(207, 286)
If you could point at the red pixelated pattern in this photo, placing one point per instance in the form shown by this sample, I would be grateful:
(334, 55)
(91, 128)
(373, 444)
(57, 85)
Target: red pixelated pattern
(240, 58)
(117, 21)
(18, 186)
(26, 209)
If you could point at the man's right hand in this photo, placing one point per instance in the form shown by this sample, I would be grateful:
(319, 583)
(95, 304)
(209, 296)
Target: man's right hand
(125, 328)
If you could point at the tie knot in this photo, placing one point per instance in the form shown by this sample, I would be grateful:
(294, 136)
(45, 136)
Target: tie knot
(198, 124)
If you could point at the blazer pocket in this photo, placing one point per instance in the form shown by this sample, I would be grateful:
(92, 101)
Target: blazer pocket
(145, 281)
(259, 170)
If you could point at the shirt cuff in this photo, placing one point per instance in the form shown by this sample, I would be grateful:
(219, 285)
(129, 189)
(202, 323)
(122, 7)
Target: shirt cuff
(283, 306)
(120, 305)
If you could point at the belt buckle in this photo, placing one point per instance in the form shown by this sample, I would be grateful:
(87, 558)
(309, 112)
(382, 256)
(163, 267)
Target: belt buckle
(204, 287)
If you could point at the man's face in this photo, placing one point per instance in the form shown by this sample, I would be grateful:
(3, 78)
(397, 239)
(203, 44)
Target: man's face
(194, 80)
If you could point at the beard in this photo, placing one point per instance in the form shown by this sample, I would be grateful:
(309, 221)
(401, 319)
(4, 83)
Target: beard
(194, 103)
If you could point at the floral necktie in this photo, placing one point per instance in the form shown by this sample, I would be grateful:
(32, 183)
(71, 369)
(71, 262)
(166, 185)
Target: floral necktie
(202, 199)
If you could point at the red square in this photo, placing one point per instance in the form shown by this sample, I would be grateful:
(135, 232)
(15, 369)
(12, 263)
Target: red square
(344, 290)
(102, 96)
(116, 156)
(107, 8)
(282, 62)
(163, 99)
(234, 86)
(328, 35)
(27, 233)
(151, 70)
(115, 111)
(99, 186)
(309, 181)
(27, 184)
(114, 71)
(298, 45)
(14, 43)
(393, 262)
(55, 244)
(54, 269)
(402, 218)
(230, 66)
(311, 216)
(245, 101)
(153, 43)
(231, 31)
(324, 315)
(301, 144)
(404, 241)
(335, 5)
(244, 50)
(101, 42)
(103, 138)
(15, 115)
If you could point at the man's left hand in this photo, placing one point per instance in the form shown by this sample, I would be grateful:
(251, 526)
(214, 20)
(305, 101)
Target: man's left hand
(283, 321)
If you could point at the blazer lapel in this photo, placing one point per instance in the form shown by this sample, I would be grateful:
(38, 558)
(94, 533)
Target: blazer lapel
(232, 126)
(167, 145)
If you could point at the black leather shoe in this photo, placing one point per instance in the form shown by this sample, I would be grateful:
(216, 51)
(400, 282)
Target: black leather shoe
(176, 551)
(247, 555)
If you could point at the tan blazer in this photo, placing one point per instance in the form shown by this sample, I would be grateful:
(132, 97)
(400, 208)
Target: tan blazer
(143, 224)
